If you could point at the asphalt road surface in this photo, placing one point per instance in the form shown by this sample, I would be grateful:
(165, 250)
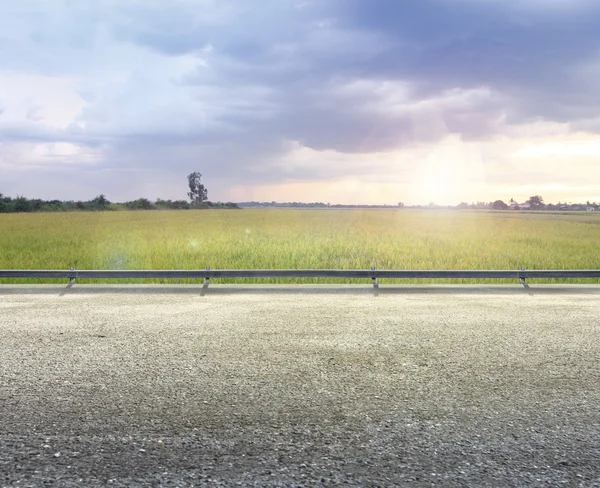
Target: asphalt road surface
(299, 386)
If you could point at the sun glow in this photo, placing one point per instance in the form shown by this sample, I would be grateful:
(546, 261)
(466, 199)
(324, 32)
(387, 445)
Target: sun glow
(448, 172)
(436, 184)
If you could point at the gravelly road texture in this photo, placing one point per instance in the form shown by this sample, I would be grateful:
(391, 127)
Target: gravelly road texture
(299, 386)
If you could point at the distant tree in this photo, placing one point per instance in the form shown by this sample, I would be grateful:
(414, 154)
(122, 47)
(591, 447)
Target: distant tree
(163, 204)
(400, 205)
(100, 202)
(181, 204)
(536, 202)
(462, 205)
(198, 193)
(35, 205)
(140, 204)
(21, 204)
(499, 205)
(144, 203)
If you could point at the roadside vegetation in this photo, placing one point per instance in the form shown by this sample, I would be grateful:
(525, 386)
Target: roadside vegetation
(299, 239)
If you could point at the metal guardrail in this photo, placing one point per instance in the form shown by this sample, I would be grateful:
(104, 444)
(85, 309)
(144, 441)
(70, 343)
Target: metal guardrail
(372, 274)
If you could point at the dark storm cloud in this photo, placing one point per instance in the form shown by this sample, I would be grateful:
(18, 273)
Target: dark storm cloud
(531, 55)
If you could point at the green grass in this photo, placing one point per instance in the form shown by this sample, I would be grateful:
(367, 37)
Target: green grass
(298, 239)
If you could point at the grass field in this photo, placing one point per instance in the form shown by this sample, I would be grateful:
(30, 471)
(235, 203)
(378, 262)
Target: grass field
(298, 239)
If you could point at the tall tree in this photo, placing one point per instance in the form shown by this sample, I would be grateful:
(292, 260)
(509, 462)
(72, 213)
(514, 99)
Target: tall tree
(198, 193)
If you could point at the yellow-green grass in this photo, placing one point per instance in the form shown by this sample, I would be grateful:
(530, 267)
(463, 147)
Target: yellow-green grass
(298, 239)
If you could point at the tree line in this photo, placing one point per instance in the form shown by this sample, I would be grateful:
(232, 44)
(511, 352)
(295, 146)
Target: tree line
(198, 199)
(100, 203)
(198, 196)
(535, 202)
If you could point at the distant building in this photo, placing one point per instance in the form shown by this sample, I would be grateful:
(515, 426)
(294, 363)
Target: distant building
(519, 206)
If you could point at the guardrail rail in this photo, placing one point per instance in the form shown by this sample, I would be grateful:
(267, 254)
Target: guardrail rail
(373, 274)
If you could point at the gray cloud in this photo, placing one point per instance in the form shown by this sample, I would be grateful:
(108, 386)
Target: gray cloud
(529, 55)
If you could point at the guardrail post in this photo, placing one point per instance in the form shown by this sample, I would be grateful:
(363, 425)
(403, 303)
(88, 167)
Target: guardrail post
(207, 278)
(522, 278)
(374, 278)
(72, 278)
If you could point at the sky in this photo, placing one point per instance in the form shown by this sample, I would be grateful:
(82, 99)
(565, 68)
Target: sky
(340, 101)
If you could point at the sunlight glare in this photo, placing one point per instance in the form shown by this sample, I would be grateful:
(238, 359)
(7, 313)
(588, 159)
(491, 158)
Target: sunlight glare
(447, 172)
